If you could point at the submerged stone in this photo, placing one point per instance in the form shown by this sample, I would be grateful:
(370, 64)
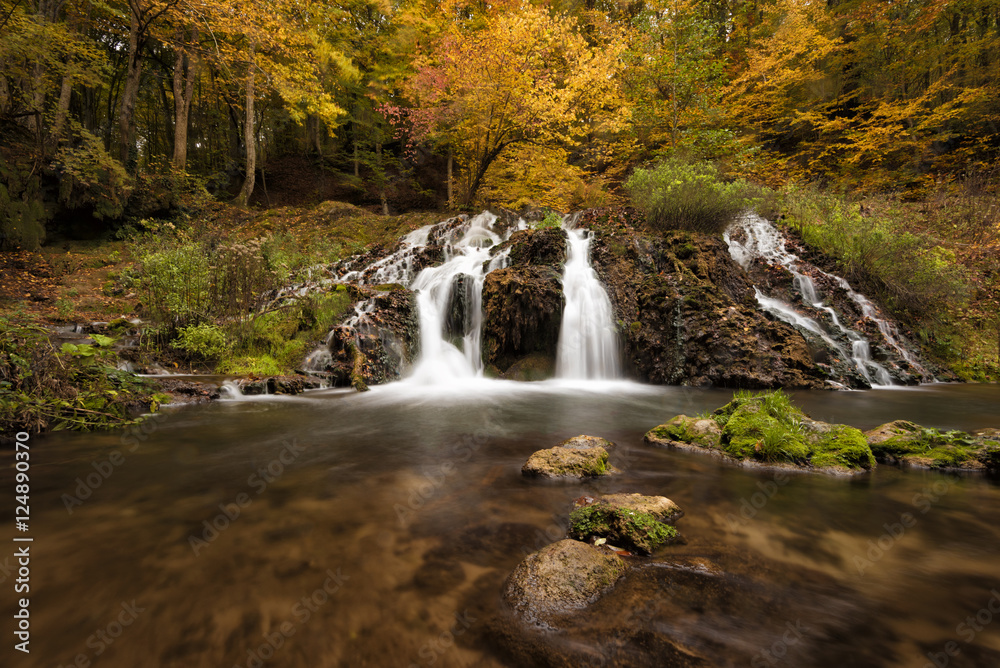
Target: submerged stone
(559, 578)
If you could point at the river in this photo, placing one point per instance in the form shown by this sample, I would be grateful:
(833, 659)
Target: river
(376, 529)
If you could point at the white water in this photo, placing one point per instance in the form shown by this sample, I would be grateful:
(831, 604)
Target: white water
(466, 249)
(588, 344)
(764, 241)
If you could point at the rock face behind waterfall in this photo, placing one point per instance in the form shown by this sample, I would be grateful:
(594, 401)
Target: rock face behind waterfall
(687, 311)
(522, 306)
(388, 339)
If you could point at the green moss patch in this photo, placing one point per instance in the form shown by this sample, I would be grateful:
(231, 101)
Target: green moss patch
(903, 442)
(634, 530)
(766, 427)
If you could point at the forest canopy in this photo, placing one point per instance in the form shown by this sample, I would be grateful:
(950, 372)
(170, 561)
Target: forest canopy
(418, 103)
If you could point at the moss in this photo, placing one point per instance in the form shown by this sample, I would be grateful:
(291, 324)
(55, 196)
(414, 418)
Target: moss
(931, 447)
(637, 531)
(842, 446)
(263, 365)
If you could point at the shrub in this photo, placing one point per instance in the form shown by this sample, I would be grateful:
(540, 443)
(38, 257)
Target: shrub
(676, 195)
(206, 341)
(880, 253)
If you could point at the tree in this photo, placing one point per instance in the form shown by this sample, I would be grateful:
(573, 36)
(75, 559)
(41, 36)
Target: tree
(525, 77)
(673, 80)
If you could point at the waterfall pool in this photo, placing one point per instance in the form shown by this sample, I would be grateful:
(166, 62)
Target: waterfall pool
(343, 529)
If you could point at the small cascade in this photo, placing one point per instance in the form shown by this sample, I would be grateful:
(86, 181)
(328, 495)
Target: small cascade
(761, 240)
(466, 250)
(588, 343)
(448, 295)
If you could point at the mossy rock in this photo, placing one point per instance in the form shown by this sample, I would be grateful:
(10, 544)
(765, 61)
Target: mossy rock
(766, 428)
(635, 522)
(568, 462)
(560, 578)
(682, 430)
(906, 443)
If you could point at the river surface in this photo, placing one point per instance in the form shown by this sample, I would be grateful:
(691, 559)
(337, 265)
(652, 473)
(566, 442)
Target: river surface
(376, 530)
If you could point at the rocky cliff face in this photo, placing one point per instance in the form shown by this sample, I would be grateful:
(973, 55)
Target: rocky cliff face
(685, 311)
(687, 314)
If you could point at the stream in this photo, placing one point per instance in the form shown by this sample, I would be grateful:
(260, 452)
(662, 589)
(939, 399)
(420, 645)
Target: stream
(376, 529)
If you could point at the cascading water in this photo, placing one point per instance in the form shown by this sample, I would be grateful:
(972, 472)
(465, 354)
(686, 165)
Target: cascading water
(466, 250)
(588, 344)
(762, 240)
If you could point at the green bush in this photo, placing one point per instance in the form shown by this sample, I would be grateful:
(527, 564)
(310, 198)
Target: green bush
(177, 284)
(676, 195)
(205, 340)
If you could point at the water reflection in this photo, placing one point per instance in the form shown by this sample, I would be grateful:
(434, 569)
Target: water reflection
(402, 510)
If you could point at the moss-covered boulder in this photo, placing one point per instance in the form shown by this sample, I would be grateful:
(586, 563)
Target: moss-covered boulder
(683, 430)
(559, 578)
(905, 443)
(638, 523)
(577, 457)
(767, 429)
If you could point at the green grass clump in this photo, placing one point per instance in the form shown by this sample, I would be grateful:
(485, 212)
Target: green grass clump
(843, 446)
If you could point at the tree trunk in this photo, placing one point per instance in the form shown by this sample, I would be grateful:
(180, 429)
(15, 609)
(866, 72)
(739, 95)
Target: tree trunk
(184, 76)
(62, 109)
(133, 73)
(249, 139)
(381, 185)
(451, 192)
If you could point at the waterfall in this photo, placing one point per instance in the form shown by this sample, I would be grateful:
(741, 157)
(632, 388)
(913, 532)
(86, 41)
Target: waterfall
(441, 359)
(588, 344)
(761, 240)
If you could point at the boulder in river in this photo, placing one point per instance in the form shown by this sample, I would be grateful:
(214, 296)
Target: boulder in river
(577, 457)
(559, 578)
(905, 443)
(638, 523)
(766, 429)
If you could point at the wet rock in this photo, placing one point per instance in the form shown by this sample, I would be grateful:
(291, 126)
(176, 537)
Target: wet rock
(381, 346)
(766, 429)
(522, 314)
(186, 391)
(904, 443)
(638, 523)
(532, 248)
(688, 312)
(578, 457)
(562, 577)
(683, 431)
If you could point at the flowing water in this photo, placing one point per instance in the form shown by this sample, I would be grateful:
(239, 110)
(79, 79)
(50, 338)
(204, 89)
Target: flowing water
(588, 344)
(343, 529)
(762, 241)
